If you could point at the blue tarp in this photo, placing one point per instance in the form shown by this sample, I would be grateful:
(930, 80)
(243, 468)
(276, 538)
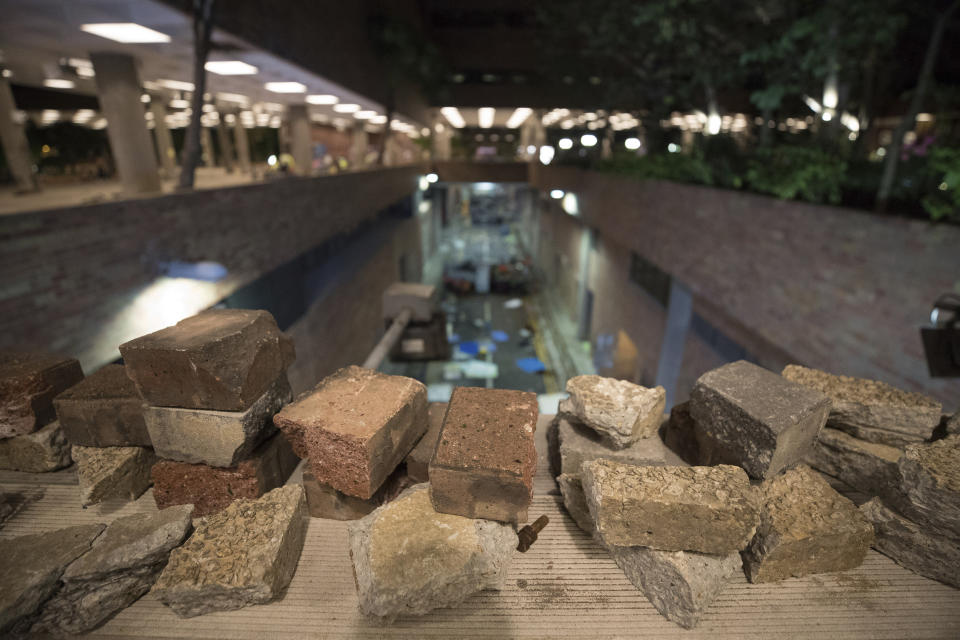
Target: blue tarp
(531, 365)
(499, 336)
(470, 347)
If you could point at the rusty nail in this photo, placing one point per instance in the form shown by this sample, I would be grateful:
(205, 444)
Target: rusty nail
(528, 534)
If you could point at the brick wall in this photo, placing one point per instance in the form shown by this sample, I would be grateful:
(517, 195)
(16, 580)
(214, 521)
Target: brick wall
(83, 279)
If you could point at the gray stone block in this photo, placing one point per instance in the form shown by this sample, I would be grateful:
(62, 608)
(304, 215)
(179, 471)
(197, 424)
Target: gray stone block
(578, 444)
(43, 450)
(866, 466)
(112, 472)
(620, 411)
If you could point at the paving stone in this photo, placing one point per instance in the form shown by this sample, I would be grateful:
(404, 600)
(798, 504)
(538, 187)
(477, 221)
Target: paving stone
(620, 411)
(243, 555)
(323, 501)
(32, 566)
(355, 427)
(679, 584)
(865, 466)
(930, 484)
(805, 527)
(12, 502)
(710, 510)
(485, 459)
(913, 546)
(578, 444)
(28, 384)
(216, 438)
(112, 472)
(575, 502)
(222, 359)
(103, 410)
(418, 460)
(210, 489)
(419, 298)
(43, 450)
(409, 559)
(872, 410)
(757, 419)
(121, 566)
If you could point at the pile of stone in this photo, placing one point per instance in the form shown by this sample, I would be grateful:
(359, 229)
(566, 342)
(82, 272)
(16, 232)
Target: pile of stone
(212, 384)
(31, 438)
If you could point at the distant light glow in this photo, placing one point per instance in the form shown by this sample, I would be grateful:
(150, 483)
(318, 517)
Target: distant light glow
(423, 183)
(432, 177)
(452, 114)
(230, 68)
(484, 187)
(126, 32)
(556, 194)
(424, 206)
(673, 147)
(813, 104)
(322, 98)
(272, 160)
(632, 143)
(565, 143)
(588, 140)
(546, 154)
(378, 120)
(366, 114)
(713, 123)
(179, 103)
(518, 117)
(827, 116)
(531, 149)
(233, 97)
(850, 121)
(881, 152)
(59, 83)
(485, 116)
(346, 107)
(285, 87)
(145, 98)
(178, 85)
(570, 204)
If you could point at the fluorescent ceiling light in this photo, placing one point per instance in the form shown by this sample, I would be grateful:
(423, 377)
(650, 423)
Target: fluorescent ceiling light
(588, 140)
(176, 84)
(58, 83)
(232, 97)
(127, 32)
(322, 98)
(365, 115)
(518, 117)
(346, 107)
(565, 143)
(632, 143)
(286, 87)
(485, 116)
(378, 120)
(230, 68)
(179, 103)
(556, 194)
(452, 114)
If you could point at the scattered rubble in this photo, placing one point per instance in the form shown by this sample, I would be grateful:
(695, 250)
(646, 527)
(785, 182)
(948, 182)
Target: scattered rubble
(866, 466)
(112, 472)
(103, 410)
(620, 411)
(930, 484)
(418, 460)
(28, 384)
(43, 450)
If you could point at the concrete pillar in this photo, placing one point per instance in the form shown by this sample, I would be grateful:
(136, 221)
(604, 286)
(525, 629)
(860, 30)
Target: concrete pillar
(206, 144)
(15, 147)
(161, 133)
(359, 142)
(118, 88)
(226, 145)
(243, 145)
(301, 143)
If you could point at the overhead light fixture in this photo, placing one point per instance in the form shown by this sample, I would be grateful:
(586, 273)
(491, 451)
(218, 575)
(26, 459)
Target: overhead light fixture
(230, 68)
(432, 177)
(570, 204)
(565, 143)
(485, 115)
(233, 97)
(546, 154)
(346, 107)
(632, 143)
(179, 103)
(126, 32)
(322, 98)
(588, 140)
(556, 194)
(518, 117)
(58, 83)
(452, 114)
(178, 85)
(378, 120)
(364, 115)
(285, 87)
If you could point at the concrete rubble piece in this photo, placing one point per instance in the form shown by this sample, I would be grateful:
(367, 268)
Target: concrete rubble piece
(112, 472)
(758, 420)
(805, 527)
(577, 444)
(871, 410)
(409, 559)
(103, 410)
(43, 450)
(866, 466)
(221, 359)
(620, 411)
(28, 384)
(710, 510)
(355, 427)
(930, 485)
(575, 502)
(418, 460)
(485, 459)
(243, 555)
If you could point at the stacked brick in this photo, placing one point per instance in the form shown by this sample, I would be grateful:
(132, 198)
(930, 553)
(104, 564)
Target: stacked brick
(211, 384)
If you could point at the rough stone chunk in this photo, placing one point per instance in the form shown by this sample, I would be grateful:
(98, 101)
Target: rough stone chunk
(620, 411)
(953, 424)
(419, 298)
(121, 566)
(222, 359)
(578, 444)
(410, 559)
(703, 509)
(575, 502)
(355, 427)
(28, 384)
(913, 546)
(323, 501)
(679, 584)
(103, 410)
(32, 566)
(37, 452)
(243, 555)
(872, 410)
(112, 472)
(930, 484)
(485, 459)
(865, 466)
(418, 460)
(216, 438)
(805, 527)
(758, 420)
(12, 502)
(210, 489)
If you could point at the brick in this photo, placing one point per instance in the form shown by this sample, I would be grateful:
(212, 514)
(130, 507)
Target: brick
(805, 527)
(578, 444)
(211, 489)
(246, 554)
(28, 384)
(620, 411)
(866, 466)
(37, 452)
(758, 420)
(222, 359)
(323, 501)
(929, 476)
(485, 459)
(103, 410)
(355, 427)
(418, 460)
(872, 410)
(216, 438)
(710, 510)
(112, 472)
(419, 298)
